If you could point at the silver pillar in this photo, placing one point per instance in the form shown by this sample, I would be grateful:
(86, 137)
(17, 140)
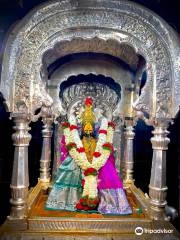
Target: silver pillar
(20, 176)
(57, 154)
(122, 164)
(117, 148)
(46, 148)
(157, 187)
(128, 152)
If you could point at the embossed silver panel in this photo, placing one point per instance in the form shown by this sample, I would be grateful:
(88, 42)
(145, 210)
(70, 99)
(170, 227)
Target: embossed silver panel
(90, 25)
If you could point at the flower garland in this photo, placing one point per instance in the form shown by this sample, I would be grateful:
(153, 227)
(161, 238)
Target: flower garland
(100, 156)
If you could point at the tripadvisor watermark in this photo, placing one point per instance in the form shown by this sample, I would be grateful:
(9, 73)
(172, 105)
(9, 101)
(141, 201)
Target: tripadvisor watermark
(139, 231)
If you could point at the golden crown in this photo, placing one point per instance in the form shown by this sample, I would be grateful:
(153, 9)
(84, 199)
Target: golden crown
(88, 115)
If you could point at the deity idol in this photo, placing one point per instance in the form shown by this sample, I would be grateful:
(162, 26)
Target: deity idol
(87, 179)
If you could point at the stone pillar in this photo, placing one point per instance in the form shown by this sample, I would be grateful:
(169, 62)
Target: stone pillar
(128, 151)
(20, 175)
(46, 148)
(157, 187)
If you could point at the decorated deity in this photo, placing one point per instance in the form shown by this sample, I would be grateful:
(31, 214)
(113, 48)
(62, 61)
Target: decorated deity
(87, 179)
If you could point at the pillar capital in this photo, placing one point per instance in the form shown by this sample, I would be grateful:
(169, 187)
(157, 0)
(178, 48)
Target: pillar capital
(46, 112)
(160, 140)
(129, 128)
(162, 122)
(21, 137)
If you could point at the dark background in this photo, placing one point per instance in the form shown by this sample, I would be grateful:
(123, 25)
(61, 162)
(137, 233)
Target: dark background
(12, 11)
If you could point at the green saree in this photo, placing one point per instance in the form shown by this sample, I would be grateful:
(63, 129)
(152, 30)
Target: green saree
(67, 188)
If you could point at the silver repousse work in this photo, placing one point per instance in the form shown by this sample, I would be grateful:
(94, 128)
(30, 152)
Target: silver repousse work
(117, 102)
(91, 24)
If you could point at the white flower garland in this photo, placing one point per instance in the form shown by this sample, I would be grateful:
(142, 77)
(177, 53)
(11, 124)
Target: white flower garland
(90, 186)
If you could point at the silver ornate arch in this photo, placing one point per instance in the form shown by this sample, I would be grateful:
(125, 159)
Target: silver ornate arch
(87, 25)
(97, 68)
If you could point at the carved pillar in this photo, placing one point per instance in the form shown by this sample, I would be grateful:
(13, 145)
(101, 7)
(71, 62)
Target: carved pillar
(128, 151)
(20, 176)
(122, 164)
(157, 187)
(57, 153)
(46, 148)
(117, 148)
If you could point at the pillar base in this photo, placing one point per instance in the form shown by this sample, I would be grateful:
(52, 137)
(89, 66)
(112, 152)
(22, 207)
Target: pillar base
(158, 213)
(128, 182)
(18, 202)
(45, 180)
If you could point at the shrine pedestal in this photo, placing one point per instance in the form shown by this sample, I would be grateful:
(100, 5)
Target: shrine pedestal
(44, 224)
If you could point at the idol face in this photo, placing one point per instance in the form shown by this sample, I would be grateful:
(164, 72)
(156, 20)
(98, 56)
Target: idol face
(88, 129)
